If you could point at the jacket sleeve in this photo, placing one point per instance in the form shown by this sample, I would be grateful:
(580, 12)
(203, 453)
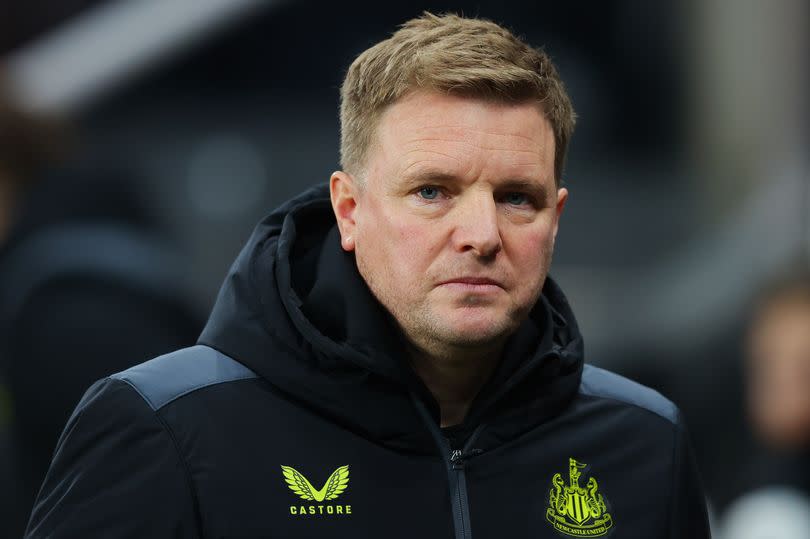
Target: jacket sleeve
(116, 472)
(688, 517)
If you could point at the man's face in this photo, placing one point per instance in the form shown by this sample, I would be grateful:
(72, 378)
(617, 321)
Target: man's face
(779, 374)
(454, 225)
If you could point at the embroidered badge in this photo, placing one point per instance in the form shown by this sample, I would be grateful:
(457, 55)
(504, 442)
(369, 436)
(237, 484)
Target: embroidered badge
(577, 511)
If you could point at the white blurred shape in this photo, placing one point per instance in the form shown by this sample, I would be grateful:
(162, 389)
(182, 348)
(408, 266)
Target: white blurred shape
(226, 176)
(768, 513)
(101, 48)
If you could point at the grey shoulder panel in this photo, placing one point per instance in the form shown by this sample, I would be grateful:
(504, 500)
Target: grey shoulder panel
(598, 382)
(166, 378)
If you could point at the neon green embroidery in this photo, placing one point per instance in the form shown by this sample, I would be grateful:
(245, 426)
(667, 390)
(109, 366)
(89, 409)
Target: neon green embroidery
(333, 487)
(577, 511)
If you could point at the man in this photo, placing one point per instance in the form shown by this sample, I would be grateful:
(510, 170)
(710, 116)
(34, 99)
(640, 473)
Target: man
(778, 366)
(777, 350)
(386, 356)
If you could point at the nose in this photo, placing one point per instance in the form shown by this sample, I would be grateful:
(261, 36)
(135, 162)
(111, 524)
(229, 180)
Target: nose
(477, 229)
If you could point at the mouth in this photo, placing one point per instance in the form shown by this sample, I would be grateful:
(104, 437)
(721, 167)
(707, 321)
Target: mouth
(473, 284)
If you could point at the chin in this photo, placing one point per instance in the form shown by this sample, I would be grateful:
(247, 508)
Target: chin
(476, 331)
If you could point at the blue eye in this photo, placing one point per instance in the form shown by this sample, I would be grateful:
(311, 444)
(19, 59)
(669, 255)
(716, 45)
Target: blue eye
(517, 199)
(428, 193)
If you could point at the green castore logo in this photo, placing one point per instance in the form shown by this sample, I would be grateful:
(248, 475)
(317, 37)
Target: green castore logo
(334, 487)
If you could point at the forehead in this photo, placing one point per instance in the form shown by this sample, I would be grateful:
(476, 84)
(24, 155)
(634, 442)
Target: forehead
(463, 136)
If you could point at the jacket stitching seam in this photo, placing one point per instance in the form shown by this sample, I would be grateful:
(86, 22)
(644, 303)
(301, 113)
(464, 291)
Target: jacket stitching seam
(673, 479)
(170, 434)
(155, 407)
(634, 405)
(137, 390)
(189, 482)
(203, 385)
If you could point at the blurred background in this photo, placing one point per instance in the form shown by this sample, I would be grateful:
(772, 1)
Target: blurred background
(161, 131)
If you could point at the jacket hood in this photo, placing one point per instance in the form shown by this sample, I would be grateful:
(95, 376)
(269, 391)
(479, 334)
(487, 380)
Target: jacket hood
(295, 310)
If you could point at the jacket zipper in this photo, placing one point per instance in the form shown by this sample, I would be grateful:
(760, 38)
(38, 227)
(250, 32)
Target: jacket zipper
(458, 495)
(455, 461)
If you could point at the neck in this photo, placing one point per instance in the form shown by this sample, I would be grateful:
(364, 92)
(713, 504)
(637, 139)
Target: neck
(455, 377)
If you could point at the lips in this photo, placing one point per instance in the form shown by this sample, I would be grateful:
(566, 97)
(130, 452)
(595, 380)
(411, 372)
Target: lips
(472, 281)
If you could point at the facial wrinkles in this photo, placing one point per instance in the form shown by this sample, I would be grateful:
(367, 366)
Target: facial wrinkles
(474, 157)
(512, 258)
(456, 141)
(401, 228)
(479, 200)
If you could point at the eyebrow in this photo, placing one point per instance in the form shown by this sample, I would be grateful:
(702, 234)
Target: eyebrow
(526, 185)
(434, 176)
(537, 190)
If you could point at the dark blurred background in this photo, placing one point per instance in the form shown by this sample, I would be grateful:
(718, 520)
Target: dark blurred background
(688, 170)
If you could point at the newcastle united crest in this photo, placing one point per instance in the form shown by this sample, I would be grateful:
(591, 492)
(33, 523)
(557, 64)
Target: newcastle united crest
(577, 511)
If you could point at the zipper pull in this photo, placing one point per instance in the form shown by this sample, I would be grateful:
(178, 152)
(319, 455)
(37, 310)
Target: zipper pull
(457, 459)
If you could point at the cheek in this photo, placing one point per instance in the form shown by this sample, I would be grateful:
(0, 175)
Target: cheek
(412, 239)
(410, 251)
(396, 246)
(531, 250)
(530, 257)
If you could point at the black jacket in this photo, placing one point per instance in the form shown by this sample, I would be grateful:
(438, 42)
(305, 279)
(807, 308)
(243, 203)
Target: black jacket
(296, 416)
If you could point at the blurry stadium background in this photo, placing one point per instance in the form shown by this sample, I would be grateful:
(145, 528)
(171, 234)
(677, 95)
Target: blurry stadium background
(688, 170)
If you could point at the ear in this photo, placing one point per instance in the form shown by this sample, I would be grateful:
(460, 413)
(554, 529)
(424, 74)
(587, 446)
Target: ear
(344, 193)
(562, 198)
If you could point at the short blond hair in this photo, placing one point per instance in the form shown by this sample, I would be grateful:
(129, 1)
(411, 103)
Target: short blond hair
(467, 57)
